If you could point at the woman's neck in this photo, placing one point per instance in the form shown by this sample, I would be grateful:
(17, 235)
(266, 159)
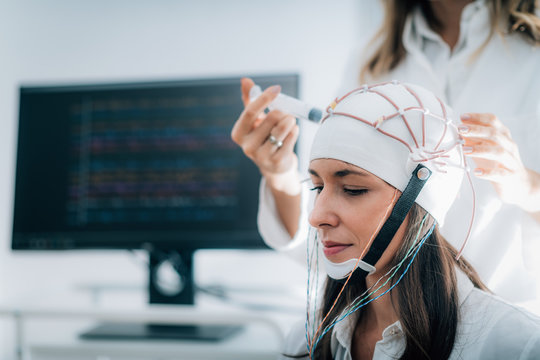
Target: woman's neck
(380, 313)
(377, 316)
(448, 13)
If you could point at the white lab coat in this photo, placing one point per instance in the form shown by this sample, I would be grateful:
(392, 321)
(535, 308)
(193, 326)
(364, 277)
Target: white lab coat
(503, 79)
(488, 329)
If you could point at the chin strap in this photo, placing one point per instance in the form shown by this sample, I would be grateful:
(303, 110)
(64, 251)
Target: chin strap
(418, 179)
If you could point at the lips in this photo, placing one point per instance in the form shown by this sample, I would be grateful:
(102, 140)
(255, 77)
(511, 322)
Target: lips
(332, 248)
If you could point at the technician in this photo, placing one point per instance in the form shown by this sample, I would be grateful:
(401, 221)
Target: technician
(482, 58)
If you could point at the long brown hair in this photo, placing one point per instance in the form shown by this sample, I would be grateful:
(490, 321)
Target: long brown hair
(427, 299)
(507, 16)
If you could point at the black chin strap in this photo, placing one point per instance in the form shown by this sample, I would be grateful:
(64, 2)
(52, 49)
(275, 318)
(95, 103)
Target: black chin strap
(418, 179)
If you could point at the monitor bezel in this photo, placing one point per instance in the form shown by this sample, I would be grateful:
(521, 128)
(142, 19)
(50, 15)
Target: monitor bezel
(166, 239)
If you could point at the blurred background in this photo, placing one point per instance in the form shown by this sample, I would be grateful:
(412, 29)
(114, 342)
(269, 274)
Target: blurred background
(57, 42)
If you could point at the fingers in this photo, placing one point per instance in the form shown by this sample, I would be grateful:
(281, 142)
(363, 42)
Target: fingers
(486, 138)
(279, 159)
(486, 150)
(496, 156)
(499, 134)
(245, 123)
(276, 124)
(486, 120)
(283, 126)
(246, 85)
(479, 131)
(288, 144)
(493, 173)
(276, 156)
(262, 102)
(480, 118)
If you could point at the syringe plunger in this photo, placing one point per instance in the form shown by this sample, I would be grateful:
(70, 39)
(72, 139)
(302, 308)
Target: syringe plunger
(289, 105)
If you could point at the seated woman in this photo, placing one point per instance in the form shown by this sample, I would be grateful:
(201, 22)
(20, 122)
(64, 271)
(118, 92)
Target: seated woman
(386, 165)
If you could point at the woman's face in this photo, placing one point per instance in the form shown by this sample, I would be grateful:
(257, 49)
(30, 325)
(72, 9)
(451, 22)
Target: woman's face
(349, 206)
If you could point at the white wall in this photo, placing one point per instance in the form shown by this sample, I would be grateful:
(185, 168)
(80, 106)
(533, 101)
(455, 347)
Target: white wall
(62, 41)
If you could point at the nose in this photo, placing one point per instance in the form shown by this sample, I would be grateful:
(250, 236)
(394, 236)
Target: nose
(323, 213)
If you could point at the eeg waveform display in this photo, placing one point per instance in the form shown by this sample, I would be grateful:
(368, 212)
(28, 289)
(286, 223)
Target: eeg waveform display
(152, 160)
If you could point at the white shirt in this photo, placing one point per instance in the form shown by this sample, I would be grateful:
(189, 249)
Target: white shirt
(488, 329)
(503, 79)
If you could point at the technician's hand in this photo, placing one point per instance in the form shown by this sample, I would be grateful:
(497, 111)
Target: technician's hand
(268, 139)
(497, 157)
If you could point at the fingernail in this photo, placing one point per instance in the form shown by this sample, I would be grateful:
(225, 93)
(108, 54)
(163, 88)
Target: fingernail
(463, 129)
(478, 172)
(467, 149)
(465, 116)
(275, 89)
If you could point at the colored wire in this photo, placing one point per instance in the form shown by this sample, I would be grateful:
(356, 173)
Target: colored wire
(379, 225)
(393, 270)
(375, 298)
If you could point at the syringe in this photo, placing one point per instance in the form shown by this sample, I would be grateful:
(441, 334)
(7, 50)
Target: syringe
(289, 105)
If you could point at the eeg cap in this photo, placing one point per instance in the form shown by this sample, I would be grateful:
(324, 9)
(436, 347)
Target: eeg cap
(388, 129)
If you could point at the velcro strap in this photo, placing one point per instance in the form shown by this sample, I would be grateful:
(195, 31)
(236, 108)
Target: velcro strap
(418, 179)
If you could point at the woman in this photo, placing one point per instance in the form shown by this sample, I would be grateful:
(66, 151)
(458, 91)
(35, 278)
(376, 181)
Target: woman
(386, 165)
(482, 58)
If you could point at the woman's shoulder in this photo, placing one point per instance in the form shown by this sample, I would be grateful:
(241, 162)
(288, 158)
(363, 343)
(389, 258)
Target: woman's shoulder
(493, 328)
(499, 308)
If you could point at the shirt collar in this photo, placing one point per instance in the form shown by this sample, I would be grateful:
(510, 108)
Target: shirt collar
(474, 23)
(344, 330)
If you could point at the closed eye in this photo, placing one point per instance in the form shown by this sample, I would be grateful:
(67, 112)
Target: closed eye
(318, 189)
(355, 192)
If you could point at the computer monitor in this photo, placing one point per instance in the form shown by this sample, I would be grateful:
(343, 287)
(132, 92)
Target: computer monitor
(137, 165)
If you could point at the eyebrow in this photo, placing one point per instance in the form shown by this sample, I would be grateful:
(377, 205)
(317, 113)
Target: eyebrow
(341, 173)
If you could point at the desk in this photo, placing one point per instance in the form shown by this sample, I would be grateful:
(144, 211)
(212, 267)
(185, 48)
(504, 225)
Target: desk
(49, 331)
(46, 332)
(255, 342)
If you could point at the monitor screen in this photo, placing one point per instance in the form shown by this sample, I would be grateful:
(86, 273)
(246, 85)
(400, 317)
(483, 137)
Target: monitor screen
(124, 165)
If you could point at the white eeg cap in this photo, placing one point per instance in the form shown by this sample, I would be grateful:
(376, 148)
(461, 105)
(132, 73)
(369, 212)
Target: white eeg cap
(390, 128)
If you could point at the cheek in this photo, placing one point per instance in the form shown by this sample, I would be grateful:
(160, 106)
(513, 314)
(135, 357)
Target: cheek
(375, 208)
(368, 215)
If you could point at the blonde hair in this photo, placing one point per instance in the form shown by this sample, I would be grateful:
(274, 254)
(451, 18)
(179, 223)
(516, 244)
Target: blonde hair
(507, 16)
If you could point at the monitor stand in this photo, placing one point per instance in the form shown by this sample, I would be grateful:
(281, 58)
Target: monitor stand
(170, 282)
(135, 331)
